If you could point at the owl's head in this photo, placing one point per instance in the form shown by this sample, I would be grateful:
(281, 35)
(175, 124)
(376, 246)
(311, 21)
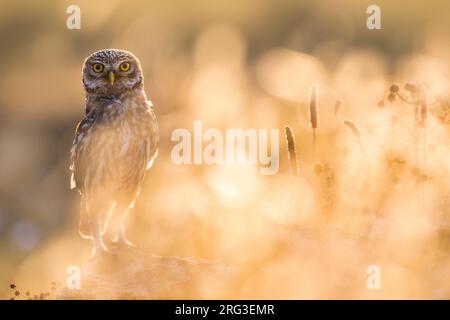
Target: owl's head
(111, 72)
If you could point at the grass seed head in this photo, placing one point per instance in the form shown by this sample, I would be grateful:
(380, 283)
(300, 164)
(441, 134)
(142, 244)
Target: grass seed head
(291, 151)
(313, 107)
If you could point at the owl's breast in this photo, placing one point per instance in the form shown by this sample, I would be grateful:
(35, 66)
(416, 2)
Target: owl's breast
(115, 147)
(131, 132)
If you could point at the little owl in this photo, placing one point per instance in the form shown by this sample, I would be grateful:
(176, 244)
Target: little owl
(115, 143)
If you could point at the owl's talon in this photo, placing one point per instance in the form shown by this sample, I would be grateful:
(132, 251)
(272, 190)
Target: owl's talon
(119, 246)
(128, 244)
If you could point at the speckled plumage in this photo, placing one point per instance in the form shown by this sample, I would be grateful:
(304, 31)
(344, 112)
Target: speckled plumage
(114, 145)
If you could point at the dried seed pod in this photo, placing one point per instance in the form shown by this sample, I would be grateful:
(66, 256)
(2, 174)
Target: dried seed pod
(394, 88)
(412, 88)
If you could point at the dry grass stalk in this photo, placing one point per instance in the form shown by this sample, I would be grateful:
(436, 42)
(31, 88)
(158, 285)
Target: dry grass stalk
(423, 103)
(337, 107)
(293, 164)
(415, 97)
(313, 114)
(357, 133)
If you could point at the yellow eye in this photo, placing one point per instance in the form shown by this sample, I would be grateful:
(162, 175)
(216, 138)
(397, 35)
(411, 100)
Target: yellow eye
(124, 66)
(97, 67)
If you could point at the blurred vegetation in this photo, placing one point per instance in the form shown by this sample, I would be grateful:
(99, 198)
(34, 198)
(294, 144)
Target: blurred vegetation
(241, 64)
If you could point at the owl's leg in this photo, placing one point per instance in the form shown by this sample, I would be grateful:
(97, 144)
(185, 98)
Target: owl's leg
(84, 225)
(120, 220)
(99, 246)
(97, 226)
(112, 226)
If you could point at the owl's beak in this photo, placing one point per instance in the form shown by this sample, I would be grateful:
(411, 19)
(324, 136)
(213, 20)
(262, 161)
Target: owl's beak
(111, 77)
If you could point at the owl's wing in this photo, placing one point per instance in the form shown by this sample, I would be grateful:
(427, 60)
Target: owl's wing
(81, 131)
(153, 139)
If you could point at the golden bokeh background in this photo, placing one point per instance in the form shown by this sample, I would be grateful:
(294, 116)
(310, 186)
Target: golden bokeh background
(247, 64)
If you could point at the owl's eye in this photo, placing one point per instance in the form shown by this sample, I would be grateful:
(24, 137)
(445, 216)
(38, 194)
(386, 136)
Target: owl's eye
(97, 67)
(125, 66)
